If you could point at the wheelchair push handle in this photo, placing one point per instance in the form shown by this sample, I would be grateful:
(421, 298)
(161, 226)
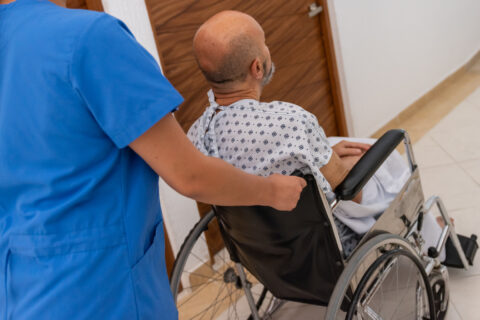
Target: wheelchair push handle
(371, 161)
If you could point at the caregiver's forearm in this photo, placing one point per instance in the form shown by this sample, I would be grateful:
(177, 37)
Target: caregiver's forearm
(168, 151)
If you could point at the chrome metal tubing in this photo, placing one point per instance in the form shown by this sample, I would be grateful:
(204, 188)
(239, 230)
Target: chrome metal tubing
(248, 291)
(453, 234)
(272, 307)
(430, 265)
(443, 238)
(448, 230)
(409, 150)
(334, 203)
(329, 210)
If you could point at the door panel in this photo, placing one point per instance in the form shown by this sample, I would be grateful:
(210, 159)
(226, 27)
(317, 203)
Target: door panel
(295, 41)
(85, 4)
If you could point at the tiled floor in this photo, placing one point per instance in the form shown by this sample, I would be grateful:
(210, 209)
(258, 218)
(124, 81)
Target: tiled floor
(449, 157)
(447, 149)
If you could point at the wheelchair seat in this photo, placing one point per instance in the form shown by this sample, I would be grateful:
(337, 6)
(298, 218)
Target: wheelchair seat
(291, 253)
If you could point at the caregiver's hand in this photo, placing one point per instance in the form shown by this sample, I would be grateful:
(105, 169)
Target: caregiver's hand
(286, 191)
(167, 150)
(347, 148)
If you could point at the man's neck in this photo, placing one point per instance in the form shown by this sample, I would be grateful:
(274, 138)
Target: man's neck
(226, 97)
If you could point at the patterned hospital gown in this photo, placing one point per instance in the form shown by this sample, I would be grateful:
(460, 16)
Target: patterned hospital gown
(264, 138)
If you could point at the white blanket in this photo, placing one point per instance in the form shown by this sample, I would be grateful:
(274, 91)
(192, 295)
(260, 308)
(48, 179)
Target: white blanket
(377, 194)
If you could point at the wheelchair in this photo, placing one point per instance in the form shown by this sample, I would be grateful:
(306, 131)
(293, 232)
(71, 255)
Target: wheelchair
(270, 257)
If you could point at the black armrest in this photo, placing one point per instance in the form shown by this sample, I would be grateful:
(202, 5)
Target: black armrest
(368, 164)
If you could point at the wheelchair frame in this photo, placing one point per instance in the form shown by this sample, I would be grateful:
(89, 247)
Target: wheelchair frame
(397, 229)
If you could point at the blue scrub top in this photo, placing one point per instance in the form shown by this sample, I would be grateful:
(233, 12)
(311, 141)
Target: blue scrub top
(81, 233)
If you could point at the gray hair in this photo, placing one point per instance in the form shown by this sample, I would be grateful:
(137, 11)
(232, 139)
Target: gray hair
(242, 50)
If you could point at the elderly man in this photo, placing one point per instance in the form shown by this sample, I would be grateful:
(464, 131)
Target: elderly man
(278, 137)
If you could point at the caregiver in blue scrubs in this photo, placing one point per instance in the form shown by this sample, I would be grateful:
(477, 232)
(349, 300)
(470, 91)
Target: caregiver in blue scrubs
(86, 128)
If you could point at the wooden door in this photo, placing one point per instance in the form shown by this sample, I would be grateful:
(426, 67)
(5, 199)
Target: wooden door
(301, 48)
(85, 4)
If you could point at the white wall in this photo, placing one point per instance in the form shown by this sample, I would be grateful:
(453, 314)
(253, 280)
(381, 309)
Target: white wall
(393, 52)
(179, 213)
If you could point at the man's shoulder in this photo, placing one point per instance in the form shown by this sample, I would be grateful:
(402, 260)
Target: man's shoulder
(286, 108)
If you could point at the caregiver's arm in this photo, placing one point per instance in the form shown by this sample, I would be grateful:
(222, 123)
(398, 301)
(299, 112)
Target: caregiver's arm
(167, 150)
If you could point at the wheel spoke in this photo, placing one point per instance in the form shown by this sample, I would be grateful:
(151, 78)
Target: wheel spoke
(377, 282)
(371, 314)
(196, 292)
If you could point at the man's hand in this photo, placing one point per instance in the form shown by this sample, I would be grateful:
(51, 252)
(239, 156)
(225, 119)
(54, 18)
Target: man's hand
(347, 148)
(350, 161)
(286, 191)
(337, 169)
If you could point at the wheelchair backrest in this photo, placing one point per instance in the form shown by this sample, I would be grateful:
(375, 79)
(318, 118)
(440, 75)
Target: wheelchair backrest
(294, 254)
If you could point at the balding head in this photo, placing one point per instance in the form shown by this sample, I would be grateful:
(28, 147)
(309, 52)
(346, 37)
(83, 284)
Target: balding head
(227, 44)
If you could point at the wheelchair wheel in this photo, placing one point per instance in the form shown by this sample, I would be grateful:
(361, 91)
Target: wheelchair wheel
(206, 289)
(384, 279)
(440, 294)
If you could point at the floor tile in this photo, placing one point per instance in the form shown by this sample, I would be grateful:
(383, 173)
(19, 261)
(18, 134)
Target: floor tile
(295, 310)
(464, 200)
(465, 294)
(431, 155)
(425, 141)
(456, 274)
(472, 168)
(474, 98)
(462, 114)
(458, 133)
(452, 313)
(451, 183)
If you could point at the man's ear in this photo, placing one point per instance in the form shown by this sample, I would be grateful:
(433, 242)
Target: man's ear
(256, 69)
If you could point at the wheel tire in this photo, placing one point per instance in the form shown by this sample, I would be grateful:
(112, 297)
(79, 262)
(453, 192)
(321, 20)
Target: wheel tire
(439, 295)
(385, 258)
(185, 252)
(351, 273)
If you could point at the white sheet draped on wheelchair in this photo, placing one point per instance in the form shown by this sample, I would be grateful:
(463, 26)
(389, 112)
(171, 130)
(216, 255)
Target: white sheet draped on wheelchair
(377, 195)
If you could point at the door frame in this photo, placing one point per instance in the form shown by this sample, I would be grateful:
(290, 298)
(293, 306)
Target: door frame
(95, 5)
(333, 70)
